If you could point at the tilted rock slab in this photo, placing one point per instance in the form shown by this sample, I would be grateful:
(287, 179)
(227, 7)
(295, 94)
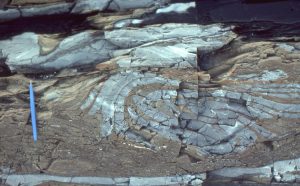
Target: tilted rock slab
(23, 52)
(168, 45)
(76, 7)
(35, 179)
(286, 171)
(153, 46)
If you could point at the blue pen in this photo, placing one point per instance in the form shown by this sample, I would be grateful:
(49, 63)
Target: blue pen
(32, 111)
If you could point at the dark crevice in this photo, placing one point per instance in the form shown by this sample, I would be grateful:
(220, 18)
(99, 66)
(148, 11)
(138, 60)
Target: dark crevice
(4, 69)
(261, 30)
(253, 18)
(207, 60)
(237, 101)
(41, 76)
(6, 100)
(269, 145)
(62, 24)
(239, 11)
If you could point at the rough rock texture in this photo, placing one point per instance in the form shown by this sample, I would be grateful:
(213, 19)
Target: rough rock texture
(87, 48)
(167, 45)
(20, 9)
(178, 103)
(81, 49)
(131, 181)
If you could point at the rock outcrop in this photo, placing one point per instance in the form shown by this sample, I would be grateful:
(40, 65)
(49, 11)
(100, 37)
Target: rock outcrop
(116, 92)
(90, 47)
(21, 9)
(77, 50)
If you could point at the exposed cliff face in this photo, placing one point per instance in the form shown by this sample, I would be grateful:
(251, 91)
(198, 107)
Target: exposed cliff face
(123, 94)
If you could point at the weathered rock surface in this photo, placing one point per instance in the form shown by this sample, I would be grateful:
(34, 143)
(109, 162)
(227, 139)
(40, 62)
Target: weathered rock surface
(169, 45)
(80, 49)
(115, 95)
(279, 171)
(20, 9)
(216, 120)
(120, 5)
(90, 47)
(131, 181)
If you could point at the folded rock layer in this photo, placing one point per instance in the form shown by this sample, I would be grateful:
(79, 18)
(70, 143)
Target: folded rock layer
(137, 93)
